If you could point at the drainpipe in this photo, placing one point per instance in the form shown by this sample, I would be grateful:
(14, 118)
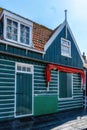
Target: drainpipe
(85, 91)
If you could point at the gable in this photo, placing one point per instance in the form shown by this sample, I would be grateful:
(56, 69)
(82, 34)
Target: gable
(53, 48)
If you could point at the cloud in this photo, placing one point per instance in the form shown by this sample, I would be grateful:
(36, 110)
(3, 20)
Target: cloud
(53, 9)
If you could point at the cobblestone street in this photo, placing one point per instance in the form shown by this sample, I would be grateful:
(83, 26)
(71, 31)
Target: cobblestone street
(79, 124)
(70, 120)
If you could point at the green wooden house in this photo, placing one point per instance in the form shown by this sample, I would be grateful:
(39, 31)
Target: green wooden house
(41, 70)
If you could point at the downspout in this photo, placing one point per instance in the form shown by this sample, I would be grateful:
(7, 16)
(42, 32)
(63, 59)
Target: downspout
(85, 92)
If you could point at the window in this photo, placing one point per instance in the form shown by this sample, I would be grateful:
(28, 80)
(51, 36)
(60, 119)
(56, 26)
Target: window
(17, 32)
(65, 47)
(12, 30)
(24, 68)
(24, 34)
(65, 85)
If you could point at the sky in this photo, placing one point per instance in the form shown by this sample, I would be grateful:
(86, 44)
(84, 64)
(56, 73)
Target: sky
(50, 13)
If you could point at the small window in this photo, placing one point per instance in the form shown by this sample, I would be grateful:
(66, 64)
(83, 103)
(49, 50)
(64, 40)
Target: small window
(24, 68)
(12, 30)
(65, 85)
(65, 47)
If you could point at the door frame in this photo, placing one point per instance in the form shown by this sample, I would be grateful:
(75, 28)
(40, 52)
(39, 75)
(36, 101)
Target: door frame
(32, 73)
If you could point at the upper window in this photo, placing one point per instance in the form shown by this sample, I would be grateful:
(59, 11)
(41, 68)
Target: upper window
(24, 34)
(17, 32)
(12, 30)
(65, 47)
(65, 85)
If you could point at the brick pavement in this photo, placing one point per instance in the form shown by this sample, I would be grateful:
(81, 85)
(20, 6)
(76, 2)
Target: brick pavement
(79, 124)
(69, 120)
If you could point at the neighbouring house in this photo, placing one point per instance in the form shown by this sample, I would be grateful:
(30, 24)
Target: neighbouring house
(85, 85)
(41, 70)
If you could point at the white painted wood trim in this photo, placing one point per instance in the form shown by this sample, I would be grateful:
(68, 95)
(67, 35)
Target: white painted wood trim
(18, 35)
(57, 33)
(75, 42)
(17, 17)
(69, 56)
(32, 73)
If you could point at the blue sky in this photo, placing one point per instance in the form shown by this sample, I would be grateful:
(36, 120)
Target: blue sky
(50, 13)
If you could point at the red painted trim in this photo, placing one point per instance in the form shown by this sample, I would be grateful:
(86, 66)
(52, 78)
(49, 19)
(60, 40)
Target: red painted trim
(63, 69)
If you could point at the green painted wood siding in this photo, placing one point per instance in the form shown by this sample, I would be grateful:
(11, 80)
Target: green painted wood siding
(7, 87)
(65, 85)
(77, 100)
(40, 86)
(53, 53)
(45, 102)
(20, 52)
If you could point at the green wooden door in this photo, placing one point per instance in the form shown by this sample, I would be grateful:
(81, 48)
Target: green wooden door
(23, 94)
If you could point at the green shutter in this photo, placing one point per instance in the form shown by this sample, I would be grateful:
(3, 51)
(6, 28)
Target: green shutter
(62, 85)
(65, 85)
(69, 85)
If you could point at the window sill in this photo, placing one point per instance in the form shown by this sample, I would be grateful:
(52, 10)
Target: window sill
(19, 43)
(61, 99)
(66, 56)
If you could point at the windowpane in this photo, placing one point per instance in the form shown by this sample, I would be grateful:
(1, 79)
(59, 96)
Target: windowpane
(9, 22)
(19, 68)
(12, 30)
(23, 68)
(15, 37)
(9, 29)
(65, 85)
(14, 24)
(65, 47)
(24, 34)
(28, 69)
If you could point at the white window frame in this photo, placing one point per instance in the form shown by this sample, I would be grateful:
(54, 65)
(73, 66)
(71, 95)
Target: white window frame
(20, 33)
(67, 98)
(68, 46)
(26, 66)
(6, 30)
(19, 23)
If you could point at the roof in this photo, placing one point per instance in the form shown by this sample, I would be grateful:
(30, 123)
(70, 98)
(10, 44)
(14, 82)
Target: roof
(42, 36)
